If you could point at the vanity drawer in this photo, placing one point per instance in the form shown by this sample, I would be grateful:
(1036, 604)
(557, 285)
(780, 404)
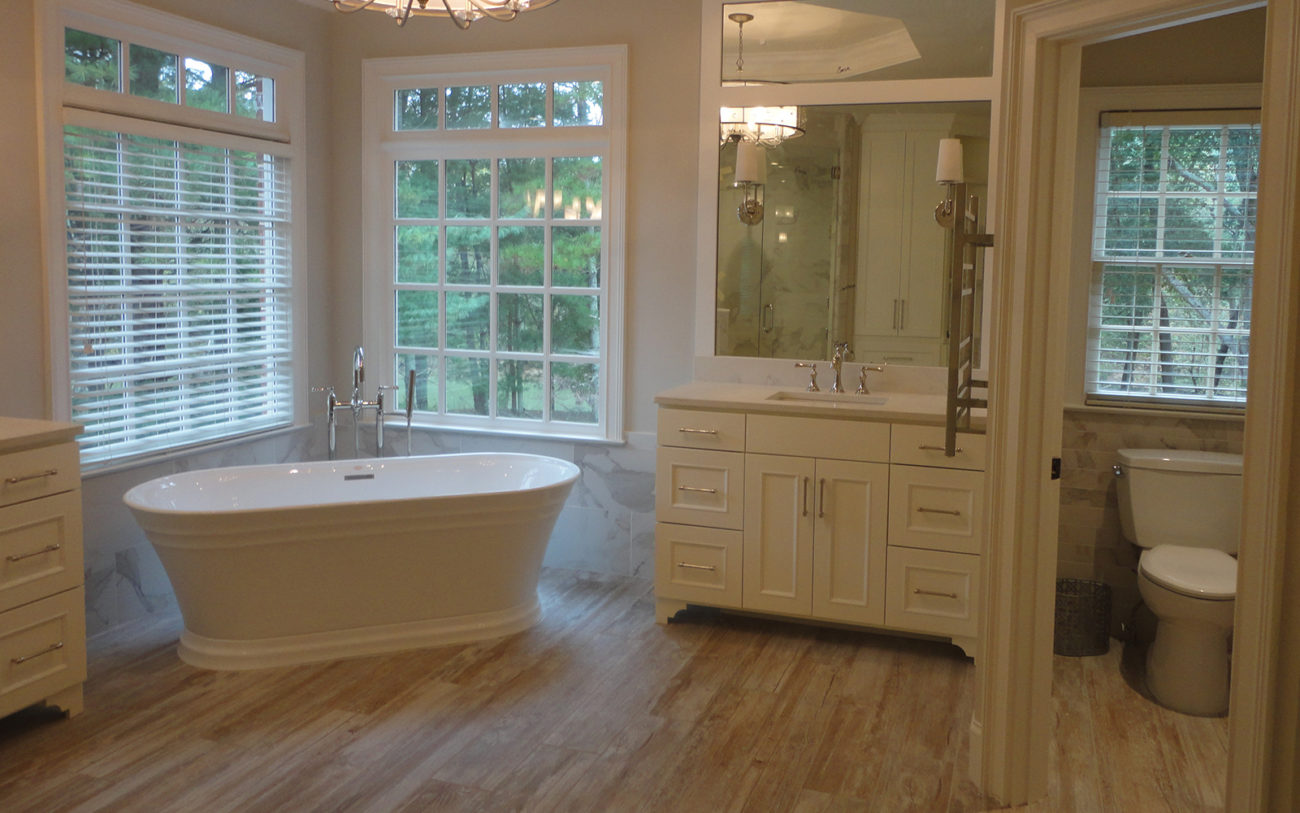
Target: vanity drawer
(701, 429)
(40, 548)
(932, 591)
(698, 564)
(818, 437)
(924, 446)
(42, 649)
(938, 509)
(34, 473)
(697, 487)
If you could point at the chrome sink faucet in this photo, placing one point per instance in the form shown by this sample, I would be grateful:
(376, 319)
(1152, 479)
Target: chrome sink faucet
(842, 351)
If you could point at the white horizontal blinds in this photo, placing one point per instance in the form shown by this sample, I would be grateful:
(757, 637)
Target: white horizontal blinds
(1173, 245)
(178, 268)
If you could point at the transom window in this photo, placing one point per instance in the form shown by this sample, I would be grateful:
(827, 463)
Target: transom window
(1173, 246)
(499, 241)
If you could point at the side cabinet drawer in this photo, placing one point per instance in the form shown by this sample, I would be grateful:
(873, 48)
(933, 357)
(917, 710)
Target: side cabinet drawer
(42, 649)
(698, 564)
(696, 487)
(938, 509)
(40, 548)
(701, 429)
(915, 445)
(930, 591)
(33, 473)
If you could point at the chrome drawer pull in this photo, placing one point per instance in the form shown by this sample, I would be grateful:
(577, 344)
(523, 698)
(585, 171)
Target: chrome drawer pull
(699, 490)
(25, 477)
(690, 431)
(918, 591)
(924, 510)
(709, 568)
(925, 447)
(47, 650)
(18, 557)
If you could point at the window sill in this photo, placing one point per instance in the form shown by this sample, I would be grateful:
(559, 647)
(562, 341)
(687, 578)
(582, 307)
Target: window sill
(93, 470)
(522, 434)
(1157, 412)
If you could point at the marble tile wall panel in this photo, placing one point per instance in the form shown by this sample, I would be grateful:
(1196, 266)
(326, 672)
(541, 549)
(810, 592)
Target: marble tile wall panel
(1091, 545)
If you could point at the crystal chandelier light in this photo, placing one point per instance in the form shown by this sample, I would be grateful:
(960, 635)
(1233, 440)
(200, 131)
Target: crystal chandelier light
(461, 12)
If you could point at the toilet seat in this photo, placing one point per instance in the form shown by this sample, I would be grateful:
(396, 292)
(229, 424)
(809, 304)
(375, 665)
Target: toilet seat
(1203, 573)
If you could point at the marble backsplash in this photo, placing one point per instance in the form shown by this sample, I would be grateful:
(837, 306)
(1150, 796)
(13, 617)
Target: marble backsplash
(1091, 545)
(607, 524)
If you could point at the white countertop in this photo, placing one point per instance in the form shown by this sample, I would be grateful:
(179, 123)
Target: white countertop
(898, 407)
(25, 433)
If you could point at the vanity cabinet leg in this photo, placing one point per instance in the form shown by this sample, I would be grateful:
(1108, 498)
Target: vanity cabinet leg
(970, 645)
(666, 608)
(70, 700)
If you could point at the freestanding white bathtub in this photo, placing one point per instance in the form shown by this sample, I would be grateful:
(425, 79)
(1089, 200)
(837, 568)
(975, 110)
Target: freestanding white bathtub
(291, 563)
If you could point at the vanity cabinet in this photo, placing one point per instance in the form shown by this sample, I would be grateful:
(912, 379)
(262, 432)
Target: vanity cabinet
(42, 600)
(850, 521)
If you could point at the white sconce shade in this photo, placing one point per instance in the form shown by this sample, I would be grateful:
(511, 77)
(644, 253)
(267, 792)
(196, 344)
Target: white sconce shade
(950, 168)
(751, 163)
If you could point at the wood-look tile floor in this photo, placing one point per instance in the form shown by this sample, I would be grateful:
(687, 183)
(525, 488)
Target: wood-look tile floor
(597, 708)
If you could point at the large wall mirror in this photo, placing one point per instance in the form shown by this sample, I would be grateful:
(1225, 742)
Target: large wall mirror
(832, 237)
(824, 231)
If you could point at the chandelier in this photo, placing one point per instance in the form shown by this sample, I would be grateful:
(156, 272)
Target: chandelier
(461, 12)
(768, 126)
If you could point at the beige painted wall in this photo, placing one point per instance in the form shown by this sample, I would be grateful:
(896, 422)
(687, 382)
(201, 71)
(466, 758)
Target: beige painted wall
(1224, 49)
(663, 47)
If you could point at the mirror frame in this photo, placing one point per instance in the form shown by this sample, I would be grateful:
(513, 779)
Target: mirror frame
(714, 96)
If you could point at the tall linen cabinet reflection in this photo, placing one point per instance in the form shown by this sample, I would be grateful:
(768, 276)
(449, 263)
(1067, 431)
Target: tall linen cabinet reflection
(42, 597)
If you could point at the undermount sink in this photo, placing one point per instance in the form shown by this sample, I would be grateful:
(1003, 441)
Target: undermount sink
(845, 398)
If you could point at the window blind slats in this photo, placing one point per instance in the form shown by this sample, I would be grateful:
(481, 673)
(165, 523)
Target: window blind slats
(178, 291)
(1173, 243)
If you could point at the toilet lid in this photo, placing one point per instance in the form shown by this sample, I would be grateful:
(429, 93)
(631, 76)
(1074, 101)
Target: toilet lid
(1198, 572)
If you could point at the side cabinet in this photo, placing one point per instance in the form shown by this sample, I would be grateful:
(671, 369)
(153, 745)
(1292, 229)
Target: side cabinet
(42, 603)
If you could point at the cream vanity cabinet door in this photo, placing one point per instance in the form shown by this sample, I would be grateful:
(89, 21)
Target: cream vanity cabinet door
(849, 541)
(815, 537)
(779, 521)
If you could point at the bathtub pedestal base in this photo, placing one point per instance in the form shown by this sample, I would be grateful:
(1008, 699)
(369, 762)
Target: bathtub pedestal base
(226, 655)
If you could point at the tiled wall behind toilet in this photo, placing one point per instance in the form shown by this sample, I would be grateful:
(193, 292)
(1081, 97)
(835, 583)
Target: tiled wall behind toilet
(1091, 544)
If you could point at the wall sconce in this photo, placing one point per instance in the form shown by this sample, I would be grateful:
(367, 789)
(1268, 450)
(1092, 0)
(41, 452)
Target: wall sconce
(751, 174)
(950, 171)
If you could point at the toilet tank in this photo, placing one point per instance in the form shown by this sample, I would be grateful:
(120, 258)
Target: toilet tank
(1176, 497)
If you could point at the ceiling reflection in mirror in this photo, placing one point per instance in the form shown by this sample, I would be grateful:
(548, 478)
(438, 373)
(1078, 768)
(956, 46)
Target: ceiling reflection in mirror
(787, 41)
(830, 237)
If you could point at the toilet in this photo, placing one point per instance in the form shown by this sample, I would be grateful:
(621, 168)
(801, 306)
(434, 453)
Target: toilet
(1183, 508)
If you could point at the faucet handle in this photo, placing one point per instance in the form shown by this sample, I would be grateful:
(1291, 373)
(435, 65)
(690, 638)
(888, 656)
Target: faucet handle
(812, 374)
(379, 397)
(862, 377)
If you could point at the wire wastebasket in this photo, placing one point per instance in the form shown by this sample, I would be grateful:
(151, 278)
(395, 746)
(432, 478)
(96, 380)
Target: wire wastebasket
(1082, 618)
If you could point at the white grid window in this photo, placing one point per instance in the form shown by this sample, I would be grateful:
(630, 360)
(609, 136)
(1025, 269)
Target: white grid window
(1173, 244)
(498, 227)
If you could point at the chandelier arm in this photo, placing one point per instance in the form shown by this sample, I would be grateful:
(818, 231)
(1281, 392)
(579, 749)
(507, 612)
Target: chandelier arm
(462, 18)
(503, 10)
(357, 5)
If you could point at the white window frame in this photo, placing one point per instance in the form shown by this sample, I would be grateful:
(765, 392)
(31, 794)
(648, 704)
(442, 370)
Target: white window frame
(64, 103)
(382, 144)
(1092, 103)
